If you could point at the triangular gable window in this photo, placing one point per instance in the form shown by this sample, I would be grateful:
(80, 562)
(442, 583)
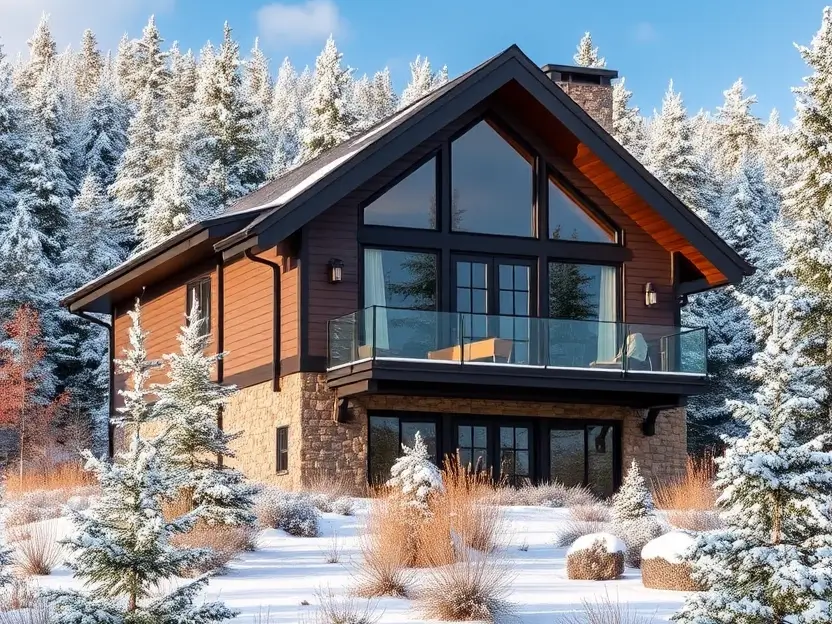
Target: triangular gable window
(410, 203)
(568, 220)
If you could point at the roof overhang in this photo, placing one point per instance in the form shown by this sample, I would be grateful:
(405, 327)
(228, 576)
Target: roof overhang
(190, 245)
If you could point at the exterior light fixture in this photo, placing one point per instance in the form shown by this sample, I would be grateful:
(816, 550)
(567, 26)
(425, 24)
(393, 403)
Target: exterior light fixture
(336, 270)
(650, 296)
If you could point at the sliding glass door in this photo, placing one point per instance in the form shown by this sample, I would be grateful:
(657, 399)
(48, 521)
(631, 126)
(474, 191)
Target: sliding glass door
(583, 454)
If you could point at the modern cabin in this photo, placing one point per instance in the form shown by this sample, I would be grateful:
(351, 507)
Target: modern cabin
(488, 267)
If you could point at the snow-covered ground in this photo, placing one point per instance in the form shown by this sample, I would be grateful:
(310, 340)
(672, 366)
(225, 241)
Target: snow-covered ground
(285, 571)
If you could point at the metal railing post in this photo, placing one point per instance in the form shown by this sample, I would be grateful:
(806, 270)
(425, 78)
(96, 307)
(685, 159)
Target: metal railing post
(373, 352)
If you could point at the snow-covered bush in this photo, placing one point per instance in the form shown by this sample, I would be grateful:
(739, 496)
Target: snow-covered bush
(343, 506)
(636, 534)
(292, 512)
(543, 495)
(225, 543)
(331, 502)
(568, 532)
(664, 562)
(596, 557)
(597, 512)
(633, 499)
(414, 476)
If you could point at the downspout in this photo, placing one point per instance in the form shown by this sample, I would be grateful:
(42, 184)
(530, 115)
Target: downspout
(276, 268)
(220, 340)
(111, 347)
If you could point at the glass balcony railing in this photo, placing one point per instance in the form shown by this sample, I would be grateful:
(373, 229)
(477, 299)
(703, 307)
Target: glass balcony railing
(377, 333)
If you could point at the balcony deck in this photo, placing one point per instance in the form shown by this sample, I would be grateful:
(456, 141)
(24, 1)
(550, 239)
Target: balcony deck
(442, 353)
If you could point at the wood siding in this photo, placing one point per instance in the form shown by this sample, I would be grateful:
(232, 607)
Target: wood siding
(335, 234)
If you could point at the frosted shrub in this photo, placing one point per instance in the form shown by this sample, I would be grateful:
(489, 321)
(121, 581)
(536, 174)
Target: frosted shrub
(572, 530)
(343, 506)
(331, 502)
(291, 512)
(633, 499)
(636, 534)
(415, 476)
(544, 495)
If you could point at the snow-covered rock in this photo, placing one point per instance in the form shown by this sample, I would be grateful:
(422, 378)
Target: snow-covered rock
(611, 543)
(671, 547)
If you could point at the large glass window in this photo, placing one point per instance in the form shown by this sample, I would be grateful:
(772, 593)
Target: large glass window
(492, 181)
(568, 220)
(199, 293)
(387, 434)
(400, 284)
(583, 298)
(411, 203)
(515, 464)
(584, 455)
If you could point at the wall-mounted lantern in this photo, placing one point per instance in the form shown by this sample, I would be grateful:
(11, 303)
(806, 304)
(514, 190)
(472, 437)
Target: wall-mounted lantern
(336, 270)
(651, 298)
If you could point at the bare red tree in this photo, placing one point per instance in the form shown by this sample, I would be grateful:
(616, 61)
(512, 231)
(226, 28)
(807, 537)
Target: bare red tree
(21, 378)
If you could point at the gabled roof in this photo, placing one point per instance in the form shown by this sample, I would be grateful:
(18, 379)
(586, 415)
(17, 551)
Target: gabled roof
(281, 207)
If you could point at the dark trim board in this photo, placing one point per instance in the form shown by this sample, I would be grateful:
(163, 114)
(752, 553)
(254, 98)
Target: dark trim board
(252, 377)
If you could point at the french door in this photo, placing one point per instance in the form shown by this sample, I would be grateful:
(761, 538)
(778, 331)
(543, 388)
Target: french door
(496, 296)
(503, 449)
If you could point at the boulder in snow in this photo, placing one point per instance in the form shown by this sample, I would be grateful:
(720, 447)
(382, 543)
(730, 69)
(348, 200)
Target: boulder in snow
(596, 557)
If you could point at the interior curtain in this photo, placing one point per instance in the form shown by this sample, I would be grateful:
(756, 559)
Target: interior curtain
(607, 331)
(375, 294)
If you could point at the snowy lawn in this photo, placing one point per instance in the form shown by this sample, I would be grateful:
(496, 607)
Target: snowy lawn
(286, 571)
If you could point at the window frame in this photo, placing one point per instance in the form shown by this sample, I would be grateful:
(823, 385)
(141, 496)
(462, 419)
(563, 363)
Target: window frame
(583, 203)
(205, 311)
(362, 287)
(583, 424)
(282, 454)
(404, 417)
(619, 283)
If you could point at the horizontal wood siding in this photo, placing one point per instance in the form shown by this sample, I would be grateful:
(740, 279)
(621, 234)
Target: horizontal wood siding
(289, 304)
(249, 309)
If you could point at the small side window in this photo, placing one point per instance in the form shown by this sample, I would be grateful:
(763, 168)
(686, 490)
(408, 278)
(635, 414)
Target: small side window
(200, 291)
(282, 449)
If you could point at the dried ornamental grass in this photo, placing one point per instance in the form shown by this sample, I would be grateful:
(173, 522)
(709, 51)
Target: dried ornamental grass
(67, 476)
(694, 490)
(474, 589)
(38, 551)
(597, 557)
(224, 542)
(695, 520)
(39, 612)
(606, 611)
(381, 572)
(18, 594)
(334, 610)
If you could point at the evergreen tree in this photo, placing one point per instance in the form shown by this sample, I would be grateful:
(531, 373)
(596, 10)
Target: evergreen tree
(586, 55)
(150, 71)
(415, 476)
(125, 69)
(234, 147)
(42, 52)
(773, 148)
(773, 561)
(190, 403)
(383, 100)
(257, 91)
(670, 155)
(104, 131)
(11, 140)
(286, 118)
(137, 175)
(807, 201)
(174, 206)
(121, 546)
(633, 500)
(627, 122)
(90, 66)
(330, 121)
(737, 129)
(423, 80)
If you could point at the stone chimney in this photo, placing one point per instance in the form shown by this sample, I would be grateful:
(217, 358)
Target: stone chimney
(590, 87)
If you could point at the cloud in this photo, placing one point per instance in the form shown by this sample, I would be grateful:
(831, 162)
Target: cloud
(309, 22)
(68, 20)
(645, 32)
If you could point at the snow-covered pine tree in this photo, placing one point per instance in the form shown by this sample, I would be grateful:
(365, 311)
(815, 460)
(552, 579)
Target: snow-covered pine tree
(125, 69)
(330, 121)
(633, 500)
(173, 207)
(586, 55)
(137, 175)
(773, 147)
(149, 63)
(671, 156)
(423, 80)
(42, 52)
(234, 146)
(104, 131)
(257, 91)
(89, 66)
(737, 128)
(384, 100)
(415, 476)
(286, 118)
(360, 99)
(373, 99)
(773, 561)
(807, 200)
(121, 546)
(190, 403)
(82, 349)
(627, 122)
(11, 140)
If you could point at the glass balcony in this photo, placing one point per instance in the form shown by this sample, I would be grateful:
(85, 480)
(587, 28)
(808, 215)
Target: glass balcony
(395, 334)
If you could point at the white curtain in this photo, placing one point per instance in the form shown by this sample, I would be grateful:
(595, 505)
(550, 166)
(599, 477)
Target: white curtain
(607, 331)
(375, 294)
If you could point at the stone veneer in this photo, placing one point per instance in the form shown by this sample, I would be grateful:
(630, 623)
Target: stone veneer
(320, 447)
(594, 99)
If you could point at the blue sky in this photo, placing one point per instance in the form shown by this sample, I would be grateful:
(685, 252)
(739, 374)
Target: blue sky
(704, 45)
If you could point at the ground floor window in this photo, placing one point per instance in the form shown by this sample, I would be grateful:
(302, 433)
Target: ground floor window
(282, 446)
(388, 432)
(584, 454)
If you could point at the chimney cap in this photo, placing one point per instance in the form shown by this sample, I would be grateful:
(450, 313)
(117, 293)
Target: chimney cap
(574, 73)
